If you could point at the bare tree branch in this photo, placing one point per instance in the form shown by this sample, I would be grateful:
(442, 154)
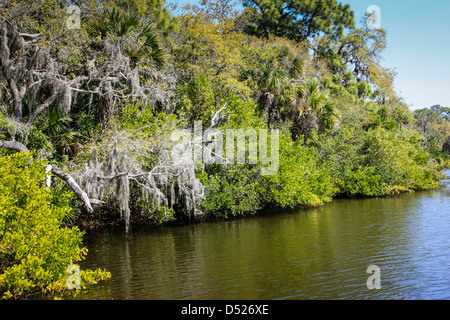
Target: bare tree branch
(13, 145)
(29, 35)
(216, 120)
(74, 186)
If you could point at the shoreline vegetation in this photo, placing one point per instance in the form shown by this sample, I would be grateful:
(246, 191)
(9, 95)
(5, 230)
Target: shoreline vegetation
(107, 221)
(92, 96)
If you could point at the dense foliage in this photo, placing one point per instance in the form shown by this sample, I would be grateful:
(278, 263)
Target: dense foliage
(298, 19)
(36, 250)
(114, 102)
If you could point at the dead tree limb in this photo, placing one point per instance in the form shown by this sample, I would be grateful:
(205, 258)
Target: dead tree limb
(74, 186)
(216, 120)
(15, 145)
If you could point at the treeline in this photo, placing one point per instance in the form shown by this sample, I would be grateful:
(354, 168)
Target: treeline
(99, 90)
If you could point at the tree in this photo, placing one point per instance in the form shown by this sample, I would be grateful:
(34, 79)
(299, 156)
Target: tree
(443, 112)
(196, 99)
(298, 19)
(32, 59)
(434, 127)
(58, 129)
(424, 118)
(67, 178)
(152, 11)
(144, 168)
(312, 111)
(215, 50)
(360, 52)
(135, 38)
(42, 68)
(233, 189)
(301, 179)
(273, 84)
(220, 10)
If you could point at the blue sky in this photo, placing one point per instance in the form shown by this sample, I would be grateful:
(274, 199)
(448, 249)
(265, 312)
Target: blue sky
(418, 38)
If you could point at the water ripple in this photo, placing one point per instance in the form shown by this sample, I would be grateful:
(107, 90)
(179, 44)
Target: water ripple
(321, 253)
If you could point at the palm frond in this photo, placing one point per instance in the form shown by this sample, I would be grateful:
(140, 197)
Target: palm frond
(137, 39)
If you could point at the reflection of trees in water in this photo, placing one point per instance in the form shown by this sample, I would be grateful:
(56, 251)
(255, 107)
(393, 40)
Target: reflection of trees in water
(320, 252)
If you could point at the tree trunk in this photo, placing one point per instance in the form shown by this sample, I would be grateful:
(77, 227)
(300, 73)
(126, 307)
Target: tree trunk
(17, 97)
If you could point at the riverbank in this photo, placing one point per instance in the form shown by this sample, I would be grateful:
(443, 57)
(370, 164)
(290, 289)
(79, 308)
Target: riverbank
(111, 219)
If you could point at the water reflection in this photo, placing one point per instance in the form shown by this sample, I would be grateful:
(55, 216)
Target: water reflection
(320, 253)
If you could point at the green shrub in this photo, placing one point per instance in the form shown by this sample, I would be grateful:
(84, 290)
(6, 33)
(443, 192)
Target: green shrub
(372, 162)
(301, 179)
(232, 190)
(362, 182)
(197, 99)
(35, 249)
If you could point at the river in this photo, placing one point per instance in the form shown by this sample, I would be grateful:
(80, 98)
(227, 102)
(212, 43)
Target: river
(320, 253)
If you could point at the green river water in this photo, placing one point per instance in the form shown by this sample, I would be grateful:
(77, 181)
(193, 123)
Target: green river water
(320, 253)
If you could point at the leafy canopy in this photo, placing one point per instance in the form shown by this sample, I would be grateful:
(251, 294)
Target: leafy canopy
(298, 19)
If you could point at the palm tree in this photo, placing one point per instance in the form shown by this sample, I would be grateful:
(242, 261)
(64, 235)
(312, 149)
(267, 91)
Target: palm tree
(136, 38)
(58, 128)
(131, 44)
(273, 85)
(312, 111)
